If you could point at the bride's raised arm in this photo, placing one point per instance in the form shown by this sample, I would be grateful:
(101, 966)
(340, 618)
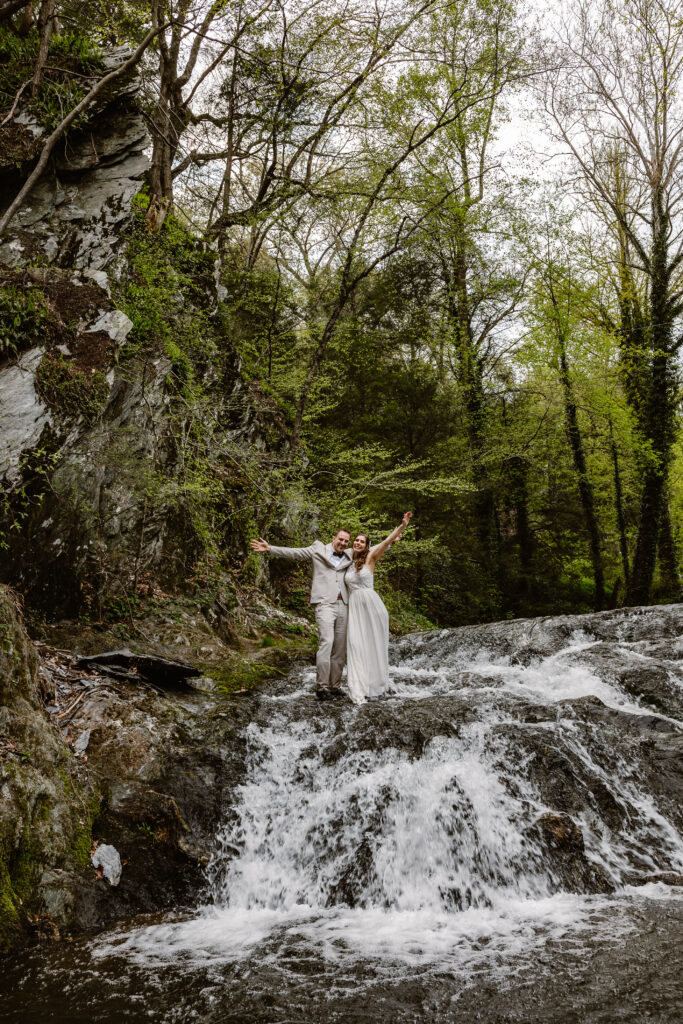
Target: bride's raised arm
(379, 549)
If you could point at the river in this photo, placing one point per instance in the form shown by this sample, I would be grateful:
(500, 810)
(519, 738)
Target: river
(485, 843)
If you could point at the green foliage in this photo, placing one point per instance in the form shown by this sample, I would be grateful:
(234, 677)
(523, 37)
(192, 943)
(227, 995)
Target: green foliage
(259, 315)
(70, 392)
(71, 55)
(166, 298)
(434, 384)
(17, 506)
(108, 22)
(24, 319)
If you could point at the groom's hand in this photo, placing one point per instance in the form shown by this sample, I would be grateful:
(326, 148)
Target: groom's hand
(260, 545)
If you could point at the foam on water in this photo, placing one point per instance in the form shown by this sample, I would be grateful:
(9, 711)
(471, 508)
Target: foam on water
(354, 850)
(554, 678)
(419, 938)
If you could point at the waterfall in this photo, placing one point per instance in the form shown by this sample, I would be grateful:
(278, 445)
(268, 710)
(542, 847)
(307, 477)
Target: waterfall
(490, 803)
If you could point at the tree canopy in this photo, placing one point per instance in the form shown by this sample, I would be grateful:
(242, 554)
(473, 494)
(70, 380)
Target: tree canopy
(435, 315)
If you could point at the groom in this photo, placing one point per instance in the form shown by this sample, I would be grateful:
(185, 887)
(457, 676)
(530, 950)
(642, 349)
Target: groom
(329, 597)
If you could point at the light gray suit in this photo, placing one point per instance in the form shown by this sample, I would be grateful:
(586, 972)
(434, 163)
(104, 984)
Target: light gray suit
(330, 597)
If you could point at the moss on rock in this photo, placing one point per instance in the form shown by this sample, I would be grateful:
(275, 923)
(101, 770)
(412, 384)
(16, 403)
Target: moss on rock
(68, 391)
(46, 811)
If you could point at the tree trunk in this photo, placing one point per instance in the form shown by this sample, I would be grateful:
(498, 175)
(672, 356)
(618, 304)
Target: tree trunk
(46, 20)
(583, 481)
(658, 411)
(640, 586)
(668, 560)
(160, 176)
(619, 508)
(165, 129)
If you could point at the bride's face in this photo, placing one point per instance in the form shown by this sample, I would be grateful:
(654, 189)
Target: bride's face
(360, 543)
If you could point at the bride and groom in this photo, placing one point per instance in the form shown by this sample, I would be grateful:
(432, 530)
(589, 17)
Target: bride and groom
(353, 623)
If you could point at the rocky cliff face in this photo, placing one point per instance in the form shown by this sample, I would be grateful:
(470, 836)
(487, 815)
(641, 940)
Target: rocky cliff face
(58, 255)
(109, 422)
(63, 333)
(76, 216)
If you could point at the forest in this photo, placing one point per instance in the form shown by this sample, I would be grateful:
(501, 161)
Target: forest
(271, 270)
(440, 245)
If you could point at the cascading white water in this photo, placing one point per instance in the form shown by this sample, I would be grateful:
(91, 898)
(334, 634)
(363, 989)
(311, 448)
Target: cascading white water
(444, 831)
(345, 840)
(435, 832)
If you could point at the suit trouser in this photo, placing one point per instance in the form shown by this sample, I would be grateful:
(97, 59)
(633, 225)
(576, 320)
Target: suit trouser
(332, 618)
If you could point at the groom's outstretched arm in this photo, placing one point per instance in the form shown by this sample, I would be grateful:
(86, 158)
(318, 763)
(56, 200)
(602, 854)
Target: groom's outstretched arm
(295, 554)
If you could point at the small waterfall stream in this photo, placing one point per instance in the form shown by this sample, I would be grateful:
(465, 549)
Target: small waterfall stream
(504, 815)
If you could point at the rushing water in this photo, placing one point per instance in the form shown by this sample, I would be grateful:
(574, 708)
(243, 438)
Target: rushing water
(388, 863)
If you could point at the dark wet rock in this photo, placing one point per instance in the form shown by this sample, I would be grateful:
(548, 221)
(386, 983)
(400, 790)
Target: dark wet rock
(124, 664)
(528, 640)
(667, 877)
(405, 728)
(159, 773)
(561, 832)
(167, 766)
(564, 844)
(349, 889)
(654, 678)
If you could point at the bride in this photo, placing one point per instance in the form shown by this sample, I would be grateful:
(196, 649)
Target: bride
(367, 650)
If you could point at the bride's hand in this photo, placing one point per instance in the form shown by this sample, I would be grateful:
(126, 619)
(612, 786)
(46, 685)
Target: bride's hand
(406, 518)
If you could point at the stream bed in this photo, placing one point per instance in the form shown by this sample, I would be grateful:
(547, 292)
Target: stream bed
(498, 839)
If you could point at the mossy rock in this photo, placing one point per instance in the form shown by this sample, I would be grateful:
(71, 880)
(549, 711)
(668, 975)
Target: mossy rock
(68, 391)
(46, 810)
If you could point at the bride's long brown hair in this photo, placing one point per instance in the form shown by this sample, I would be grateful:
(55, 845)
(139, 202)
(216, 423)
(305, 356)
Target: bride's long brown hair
(359, 559)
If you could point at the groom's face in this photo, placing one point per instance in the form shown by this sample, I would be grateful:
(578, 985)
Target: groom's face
(340, 541)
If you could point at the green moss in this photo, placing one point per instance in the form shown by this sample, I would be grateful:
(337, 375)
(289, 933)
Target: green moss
(9, 914)
(271, 661)
(24, 318)
(69, 391)
(78, 854)
(19, 876)
(85, 809)
(21, 867)
(242, 675)
(25, 866)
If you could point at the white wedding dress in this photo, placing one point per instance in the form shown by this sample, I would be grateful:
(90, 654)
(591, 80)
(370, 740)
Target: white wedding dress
(367, 643)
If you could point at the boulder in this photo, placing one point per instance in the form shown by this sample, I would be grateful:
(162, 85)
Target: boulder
(106, 860)
(163, 672)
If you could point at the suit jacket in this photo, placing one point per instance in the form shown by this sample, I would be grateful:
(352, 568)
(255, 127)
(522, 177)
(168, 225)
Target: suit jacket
(328, 580)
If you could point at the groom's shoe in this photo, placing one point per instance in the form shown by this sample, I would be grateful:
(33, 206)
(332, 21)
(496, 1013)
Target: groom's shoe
(336, 694)
(323, 694)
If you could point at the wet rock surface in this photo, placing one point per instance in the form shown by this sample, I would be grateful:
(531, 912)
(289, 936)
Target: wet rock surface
(125, 664)
(498, 839)
(89, 761)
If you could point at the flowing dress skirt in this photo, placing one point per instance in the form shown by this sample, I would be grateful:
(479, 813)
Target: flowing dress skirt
(367, 653)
